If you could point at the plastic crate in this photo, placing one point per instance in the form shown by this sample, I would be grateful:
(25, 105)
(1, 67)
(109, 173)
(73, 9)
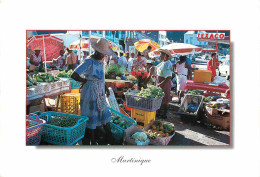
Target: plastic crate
(117, 131)
(142, 117)
(75, 90)
(74, 84)
(70, 103)
(146, 104)
(34, 131)
(61, 135)
(190, 99)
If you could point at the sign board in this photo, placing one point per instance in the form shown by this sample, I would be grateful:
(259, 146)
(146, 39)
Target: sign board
(218, 36)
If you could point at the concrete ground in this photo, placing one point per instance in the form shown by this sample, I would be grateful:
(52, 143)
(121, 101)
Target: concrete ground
(195, 133)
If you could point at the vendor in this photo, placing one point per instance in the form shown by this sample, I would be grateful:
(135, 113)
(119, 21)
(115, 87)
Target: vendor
(138, 63)
(212, 65)
(35, 59)
(93, 98)
(61, 60)
(71, 60)
(163, 71)
(182, 70)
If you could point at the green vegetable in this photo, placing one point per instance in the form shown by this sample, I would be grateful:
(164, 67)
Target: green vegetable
(114, 69)
(139, 136)
(63, 122)
(151, 92)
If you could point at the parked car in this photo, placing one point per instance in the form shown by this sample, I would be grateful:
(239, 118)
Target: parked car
(224, 69)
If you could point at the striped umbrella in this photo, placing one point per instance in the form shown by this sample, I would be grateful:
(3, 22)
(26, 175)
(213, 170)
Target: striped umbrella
(144, 43)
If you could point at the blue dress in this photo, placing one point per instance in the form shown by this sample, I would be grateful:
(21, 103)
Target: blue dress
(92, 92)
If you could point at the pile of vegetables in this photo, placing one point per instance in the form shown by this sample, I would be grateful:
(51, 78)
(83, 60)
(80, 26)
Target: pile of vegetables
(120, 122)
(209, 98)
(194, 92)
(139, 136)
(151, 92)
(114, 70)
(30, 81)
(192, 108)
(65, 74)
(160, 129)
(45, 77)
(63, 122)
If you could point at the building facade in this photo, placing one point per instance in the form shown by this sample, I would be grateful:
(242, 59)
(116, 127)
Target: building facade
(190, 37)
(157, 36)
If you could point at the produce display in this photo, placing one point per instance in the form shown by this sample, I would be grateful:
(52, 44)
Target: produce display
(113, 71)
(192, 108)
(63, 122)
(120, 122)
(151, 92)
(159, 129)
(139, 136)
(45, 77)
(194, 92)
(30, 81)
(209, 98)
(65, 74)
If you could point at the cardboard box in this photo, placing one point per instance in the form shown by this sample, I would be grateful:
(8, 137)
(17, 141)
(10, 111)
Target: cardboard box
(222, 121)
(202, 76)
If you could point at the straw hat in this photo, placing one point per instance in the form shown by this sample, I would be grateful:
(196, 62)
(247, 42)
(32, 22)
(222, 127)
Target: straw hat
(37, 48)
(167, 52)
(101, 45)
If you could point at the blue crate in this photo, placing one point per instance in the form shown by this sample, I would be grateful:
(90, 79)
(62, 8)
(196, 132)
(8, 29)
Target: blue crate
(117, 131)
(61, 135)
(74, 84)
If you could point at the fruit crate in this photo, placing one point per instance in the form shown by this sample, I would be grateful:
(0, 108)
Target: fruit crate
(70, 103)
(116, 130)
(146, 104)
(142, 117)
(62, 135)
(191, 99)
(34, 127)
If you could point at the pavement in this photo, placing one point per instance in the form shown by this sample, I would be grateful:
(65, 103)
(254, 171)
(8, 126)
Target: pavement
(194, 132)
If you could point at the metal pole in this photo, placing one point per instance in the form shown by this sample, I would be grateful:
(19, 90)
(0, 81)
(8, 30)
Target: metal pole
(80, 45)
(44, 54)
(89, 44)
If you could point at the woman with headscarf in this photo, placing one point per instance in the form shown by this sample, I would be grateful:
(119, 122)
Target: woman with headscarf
(93, 98)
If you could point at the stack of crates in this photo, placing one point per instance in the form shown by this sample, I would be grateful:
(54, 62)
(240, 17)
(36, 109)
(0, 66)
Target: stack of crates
(142, 117)
(70, 103)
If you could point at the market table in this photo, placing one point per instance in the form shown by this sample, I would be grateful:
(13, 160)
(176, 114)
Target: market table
(191, 85)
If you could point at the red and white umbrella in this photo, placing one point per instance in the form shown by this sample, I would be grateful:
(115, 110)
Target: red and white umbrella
(179, 48)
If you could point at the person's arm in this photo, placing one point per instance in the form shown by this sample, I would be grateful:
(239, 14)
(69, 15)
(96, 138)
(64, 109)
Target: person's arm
(164, 81)
(151, 73)
(189, 67)
(77, 77)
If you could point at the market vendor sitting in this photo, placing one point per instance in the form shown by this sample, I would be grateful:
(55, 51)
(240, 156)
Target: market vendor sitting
(36, 59)
(93, 99)
(212, 65)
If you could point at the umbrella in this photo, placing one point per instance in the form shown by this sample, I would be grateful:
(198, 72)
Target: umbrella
(85, 45)
(180, 48)
(144, 43)
(50, 46)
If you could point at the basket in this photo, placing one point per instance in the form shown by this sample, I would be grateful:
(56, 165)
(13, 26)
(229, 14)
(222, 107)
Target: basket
(159, 140)
(129, 132)
(74, 84)
(189, 99)
(117, 131)
(146, 104)
(34, 132)
(61, 135)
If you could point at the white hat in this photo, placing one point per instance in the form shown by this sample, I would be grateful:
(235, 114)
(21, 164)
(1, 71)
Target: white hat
(101, 45)
(167, 52)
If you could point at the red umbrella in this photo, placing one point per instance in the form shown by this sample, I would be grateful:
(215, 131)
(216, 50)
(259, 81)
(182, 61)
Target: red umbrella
(52, 44)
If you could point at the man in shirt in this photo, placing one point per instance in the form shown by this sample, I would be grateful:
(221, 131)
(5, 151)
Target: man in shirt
(130, 62)
(61, 60)
(122, 62)
(212, 65)
(146, 52)
(71, 60)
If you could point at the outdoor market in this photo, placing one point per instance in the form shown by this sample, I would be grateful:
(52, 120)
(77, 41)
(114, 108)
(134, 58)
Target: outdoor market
(128, 88)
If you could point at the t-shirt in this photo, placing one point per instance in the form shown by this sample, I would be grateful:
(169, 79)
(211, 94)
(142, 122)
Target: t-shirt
(188, 61)
(164, 69)
(122, 62)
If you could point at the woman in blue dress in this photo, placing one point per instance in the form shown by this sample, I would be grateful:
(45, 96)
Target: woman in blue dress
(93, 98)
